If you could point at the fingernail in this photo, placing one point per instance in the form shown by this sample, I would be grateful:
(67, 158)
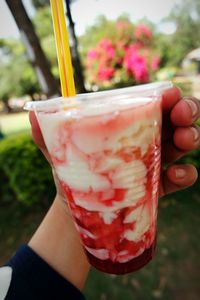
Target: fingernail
(195, 133)
(180, 173)
(193, 107)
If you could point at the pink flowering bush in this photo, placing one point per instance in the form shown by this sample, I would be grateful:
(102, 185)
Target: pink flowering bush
(126, 58)
(143, 33)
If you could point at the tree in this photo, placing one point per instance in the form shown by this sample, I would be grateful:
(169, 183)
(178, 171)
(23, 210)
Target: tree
(35, 53)
(43, 7)
(17, 77)
(40, 3)
(78, 70)
(186, 17)
(42, 21)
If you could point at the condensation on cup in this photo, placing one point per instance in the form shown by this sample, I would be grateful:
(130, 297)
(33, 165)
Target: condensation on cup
(105, 149)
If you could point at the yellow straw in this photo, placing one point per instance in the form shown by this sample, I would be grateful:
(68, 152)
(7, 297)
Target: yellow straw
(63, 49)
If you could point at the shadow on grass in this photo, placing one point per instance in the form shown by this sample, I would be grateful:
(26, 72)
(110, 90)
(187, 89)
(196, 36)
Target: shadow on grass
(17, 224)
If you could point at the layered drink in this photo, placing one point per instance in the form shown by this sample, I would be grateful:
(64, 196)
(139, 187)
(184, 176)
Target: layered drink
(105, 149)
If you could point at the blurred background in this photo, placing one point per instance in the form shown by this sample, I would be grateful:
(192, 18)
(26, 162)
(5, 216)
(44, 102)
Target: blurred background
(113, 44)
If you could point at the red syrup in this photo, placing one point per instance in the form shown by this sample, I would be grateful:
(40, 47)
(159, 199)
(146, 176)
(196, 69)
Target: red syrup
(117, 268)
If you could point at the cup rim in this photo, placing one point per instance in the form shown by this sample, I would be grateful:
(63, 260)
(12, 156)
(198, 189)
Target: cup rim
(143, 91)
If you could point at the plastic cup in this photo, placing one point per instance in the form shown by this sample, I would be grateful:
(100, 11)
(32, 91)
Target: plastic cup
(105, 149)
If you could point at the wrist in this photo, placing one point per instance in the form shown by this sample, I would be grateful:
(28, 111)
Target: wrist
(57, 242)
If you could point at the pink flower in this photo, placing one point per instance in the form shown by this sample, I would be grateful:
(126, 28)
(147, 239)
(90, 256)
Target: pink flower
(125, 56)
(92, 54)
(108, 48)
(142, 31)
(136, 65)
(111, 53)
(140, 71)
(155, 63)
(120, 45)
(121, 25)
(105, 44)
(105, 73)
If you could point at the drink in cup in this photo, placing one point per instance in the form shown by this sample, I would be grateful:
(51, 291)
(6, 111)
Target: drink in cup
(105, 149)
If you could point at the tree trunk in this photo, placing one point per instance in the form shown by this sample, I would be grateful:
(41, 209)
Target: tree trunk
(7, 107)
(78, 70)
(34, 51)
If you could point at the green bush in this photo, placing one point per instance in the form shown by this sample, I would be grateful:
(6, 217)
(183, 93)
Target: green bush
(186, 87)
(6, 193)
(24, 172)
(192, 158)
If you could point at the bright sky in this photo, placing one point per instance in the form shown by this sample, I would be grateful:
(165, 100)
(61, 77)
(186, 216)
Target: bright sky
(84, 13)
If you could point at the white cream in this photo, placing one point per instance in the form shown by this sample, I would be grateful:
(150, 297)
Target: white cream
(50, 124)
(134, 215)
(140, 134)
(86, 143)
(124, 257)
(142, 225)
(107, 163)
(86, 233)
(76, 174)
(108, 217)
(102, 254)
(130, 176)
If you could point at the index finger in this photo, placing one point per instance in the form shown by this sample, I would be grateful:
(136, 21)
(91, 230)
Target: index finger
(36, 132)
(170, 97)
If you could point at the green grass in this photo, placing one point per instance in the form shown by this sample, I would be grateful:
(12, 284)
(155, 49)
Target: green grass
(14, 123)
(17, 224)
(174, 273)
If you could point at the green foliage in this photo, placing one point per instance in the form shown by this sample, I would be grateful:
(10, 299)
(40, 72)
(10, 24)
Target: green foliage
(40, 3)
(173, 48)
(43, 22)
(24, 171)
(198, 122)
(16, 75)
(186, 17)
(192, 158)
(6, 193)
(186, 87)
(44, 28)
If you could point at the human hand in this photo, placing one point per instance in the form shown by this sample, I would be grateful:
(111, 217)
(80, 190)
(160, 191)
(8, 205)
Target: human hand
(39, 141)
(180, 135)
(56, 241)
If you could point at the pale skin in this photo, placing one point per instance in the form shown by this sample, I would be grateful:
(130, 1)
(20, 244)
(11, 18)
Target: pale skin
(57, 240)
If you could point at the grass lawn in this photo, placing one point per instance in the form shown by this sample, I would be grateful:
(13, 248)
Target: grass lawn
(174, 273)
(14, 123)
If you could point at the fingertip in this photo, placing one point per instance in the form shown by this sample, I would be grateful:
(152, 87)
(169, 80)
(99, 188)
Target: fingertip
(182, 175)
(36, 131)
(32, 118)
(187, 138)
(185, 112)
(170, 97)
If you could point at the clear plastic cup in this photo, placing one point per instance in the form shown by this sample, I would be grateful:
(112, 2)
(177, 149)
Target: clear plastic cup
(105, 149)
